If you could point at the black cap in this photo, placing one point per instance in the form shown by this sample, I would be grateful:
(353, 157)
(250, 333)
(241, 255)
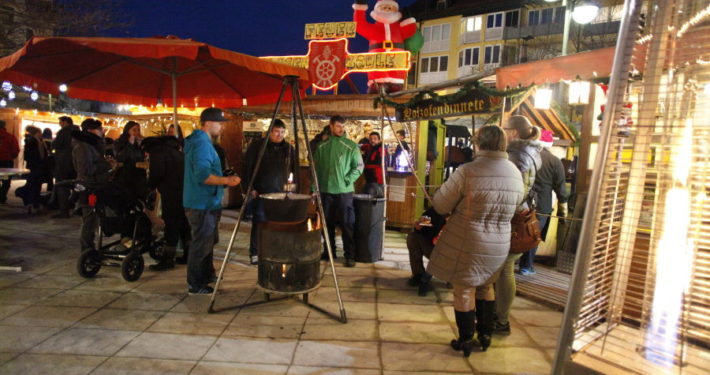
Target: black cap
(90, 124)
(212, 114)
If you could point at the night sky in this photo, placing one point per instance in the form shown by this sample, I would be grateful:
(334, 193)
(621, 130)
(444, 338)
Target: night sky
(256, 27)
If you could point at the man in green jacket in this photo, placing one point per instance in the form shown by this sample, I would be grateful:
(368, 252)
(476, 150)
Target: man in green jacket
(338, 164)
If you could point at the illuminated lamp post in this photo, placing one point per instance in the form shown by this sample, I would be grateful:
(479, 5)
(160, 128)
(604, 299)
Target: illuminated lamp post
(582, 12)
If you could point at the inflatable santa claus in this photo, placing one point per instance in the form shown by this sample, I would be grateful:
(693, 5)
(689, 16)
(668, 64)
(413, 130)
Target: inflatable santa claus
(387, 35)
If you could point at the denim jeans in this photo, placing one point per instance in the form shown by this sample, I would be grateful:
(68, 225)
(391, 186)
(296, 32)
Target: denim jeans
(526, 261)
(205, 234)
(338, 208)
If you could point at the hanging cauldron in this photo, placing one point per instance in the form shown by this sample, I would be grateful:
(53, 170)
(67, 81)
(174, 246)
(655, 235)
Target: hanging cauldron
(285, 207)
(289, 256)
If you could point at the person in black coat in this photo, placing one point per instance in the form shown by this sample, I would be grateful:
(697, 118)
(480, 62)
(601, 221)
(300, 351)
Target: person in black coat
(166, 175)
(63, 166)
(36, 157)
(129, 176)
(279, 159)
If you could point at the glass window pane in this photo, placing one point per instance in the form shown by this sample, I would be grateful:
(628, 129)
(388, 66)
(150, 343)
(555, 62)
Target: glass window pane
(546, 16)
(478, 23)
(475, 59)
(490, 21)
(533, 18)
(434, 64)
(436, 33)
(487, 58)
(443, 63)
(468, 56)
(460, 58)
(560, 15)
(425, 65)
(496, 54)
(427, 34)
(445, 32)
(499, 19)
(511, 19)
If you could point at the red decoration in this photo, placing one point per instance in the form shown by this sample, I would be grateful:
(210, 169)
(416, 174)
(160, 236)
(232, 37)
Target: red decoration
(326, 62)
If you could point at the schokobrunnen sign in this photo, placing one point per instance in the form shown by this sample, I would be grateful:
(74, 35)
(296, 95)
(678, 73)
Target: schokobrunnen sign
(470, 102)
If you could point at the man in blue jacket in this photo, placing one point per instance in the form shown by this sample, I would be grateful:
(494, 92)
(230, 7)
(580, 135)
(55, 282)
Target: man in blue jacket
(202, 199)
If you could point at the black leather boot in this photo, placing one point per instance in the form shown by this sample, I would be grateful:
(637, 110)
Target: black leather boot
(484, 326)
(183, 258)
(465, 321)
(168, 260)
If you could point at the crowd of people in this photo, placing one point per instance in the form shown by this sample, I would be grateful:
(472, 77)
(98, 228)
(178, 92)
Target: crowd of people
(465, 234)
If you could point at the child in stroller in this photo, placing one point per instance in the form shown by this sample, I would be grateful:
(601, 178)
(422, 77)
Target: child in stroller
(119, 213)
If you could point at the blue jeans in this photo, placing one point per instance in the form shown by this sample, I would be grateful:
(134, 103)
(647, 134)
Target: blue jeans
(526, 261)
(205, 234)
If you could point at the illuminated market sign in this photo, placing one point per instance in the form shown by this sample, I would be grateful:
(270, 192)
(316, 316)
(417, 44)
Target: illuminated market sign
(329, 61)
(330, 30)
(473, 101)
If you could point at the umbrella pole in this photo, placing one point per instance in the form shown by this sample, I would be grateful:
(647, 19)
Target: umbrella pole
(210, 309)
(173, 76)
(296, 97)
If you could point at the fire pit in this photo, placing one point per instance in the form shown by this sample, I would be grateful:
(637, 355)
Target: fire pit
(285, 207)
(289, 256)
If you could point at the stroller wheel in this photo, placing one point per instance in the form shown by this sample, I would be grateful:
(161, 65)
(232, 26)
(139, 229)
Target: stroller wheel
(132, 266)
(156, 251)
(89, 263)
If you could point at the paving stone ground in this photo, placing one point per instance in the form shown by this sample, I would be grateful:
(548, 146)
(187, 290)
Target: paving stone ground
(54, 321)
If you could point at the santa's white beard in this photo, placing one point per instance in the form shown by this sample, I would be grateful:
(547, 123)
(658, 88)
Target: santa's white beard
(385, 17)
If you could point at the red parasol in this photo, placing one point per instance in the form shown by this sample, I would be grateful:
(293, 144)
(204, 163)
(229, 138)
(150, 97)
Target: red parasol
(147, 71)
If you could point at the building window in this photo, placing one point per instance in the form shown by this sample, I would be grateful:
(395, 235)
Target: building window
(559, 15)
(469, 56)
(511, 18)
(494, 20)
(436, 38)
(435, 64)
(533, 17)
(492, 54)
(471, 24)
(546, 15)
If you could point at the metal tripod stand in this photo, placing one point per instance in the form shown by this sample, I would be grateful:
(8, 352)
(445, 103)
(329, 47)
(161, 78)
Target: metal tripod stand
(290, 82)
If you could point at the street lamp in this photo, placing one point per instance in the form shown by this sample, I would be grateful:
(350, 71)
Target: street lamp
(581, 11)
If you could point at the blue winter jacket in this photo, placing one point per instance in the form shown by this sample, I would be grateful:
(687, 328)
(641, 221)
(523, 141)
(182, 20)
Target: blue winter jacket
(201, 161)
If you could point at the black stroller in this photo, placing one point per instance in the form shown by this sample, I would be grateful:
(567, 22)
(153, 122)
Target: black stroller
(118, 213)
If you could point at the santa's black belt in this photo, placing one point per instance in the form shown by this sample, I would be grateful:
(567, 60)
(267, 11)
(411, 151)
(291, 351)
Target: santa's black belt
(386, 45)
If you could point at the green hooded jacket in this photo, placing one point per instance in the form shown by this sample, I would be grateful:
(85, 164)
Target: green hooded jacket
(338, 165)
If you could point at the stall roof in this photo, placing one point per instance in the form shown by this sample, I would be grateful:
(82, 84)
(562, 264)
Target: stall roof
(358, 106)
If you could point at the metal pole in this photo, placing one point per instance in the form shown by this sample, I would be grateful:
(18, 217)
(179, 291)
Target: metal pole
(321, 212)
(246, 200)
(173, 76)
(384, 174)
(622, 60)
(294, 122)
(565, 29)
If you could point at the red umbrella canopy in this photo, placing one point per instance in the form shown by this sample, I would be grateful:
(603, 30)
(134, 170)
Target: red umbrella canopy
(141, 71)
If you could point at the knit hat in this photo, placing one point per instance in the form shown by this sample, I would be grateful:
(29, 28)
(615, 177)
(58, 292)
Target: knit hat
(546, 138)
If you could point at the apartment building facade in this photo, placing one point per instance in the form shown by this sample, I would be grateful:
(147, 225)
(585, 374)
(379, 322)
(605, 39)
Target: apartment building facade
(464, 37)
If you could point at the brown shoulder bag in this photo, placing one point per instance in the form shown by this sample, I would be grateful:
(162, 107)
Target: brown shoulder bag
(525, 228)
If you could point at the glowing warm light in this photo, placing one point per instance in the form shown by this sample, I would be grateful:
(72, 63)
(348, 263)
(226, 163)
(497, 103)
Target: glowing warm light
(585, 13)
(706, 89)
(7, 86)
(11, 95)
(34, 96)
(63, 88)
(543, 98)
(3, 103)
(283, 271)
(579, 92)
(674, 258)
(310, 225)
(697, 18)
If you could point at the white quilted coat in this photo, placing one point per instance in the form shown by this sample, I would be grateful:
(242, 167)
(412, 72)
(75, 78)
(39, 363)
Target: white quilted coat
(481, 196)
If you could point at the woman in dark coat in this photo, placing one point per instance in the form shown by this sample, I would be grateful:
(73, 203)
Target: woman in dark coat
(166, 175)
(37, 160)
(130, 176)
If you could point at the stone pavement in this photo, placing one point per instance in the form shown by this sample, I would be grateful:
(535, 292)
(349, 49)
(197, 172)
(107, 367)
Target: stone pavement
(54, 321)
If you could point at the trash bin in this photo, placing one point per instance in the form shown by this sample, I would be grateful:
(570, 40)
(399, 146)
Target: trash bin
(369, 216)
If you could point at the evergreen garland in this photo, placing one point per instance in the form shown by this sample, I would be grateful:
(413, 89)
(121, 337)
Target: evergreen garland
(453, 98)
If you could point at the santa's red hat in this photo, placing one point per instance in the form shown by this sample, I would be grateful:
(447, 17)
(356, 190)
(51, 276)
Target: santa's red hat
(546, 138)
(387, 2)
